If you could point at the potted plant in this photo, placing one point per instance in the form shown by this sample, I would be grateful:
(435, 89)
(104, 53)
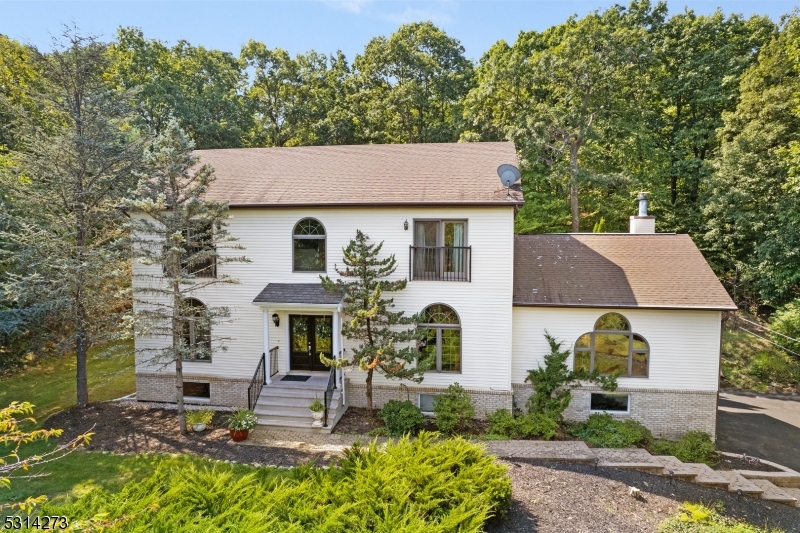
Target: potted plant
(199, 419)
(317, 408)
(240, 423)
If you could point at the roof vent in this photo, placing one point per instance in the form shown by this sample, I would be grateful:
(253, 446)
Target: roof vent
(643, 223)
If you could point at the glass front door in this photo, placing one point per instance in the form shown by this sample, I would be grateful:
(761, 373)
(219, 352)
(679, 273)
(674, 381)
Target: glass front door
(310, 335)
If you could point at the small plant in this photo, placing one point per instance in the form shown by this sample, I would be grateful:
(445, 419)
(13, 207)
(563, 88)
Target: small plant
(453, 410)
(317, 406)
(694, 447)
(402, 417)
(502, 423)
(700, 518)
(603, 431)
(200, 416)
(243, 419)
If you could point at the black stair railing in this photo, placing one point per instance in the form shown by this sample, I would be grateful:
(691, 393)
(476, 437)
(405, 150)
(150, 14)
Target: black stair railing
(329, 394)
(273, 361)
(258, 382)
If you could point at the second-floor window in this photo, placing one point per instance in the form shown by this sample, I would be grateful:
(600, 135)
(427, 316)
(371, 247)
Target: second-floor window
(308, 246)
(199, 258)
(440, 251)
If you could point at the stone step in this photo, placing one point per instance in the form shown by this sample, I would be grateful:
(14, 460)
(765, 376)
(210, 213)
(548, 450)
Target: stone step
(293, 401)
(707, 476)
(786, 479)
(289, 392)
(794, 493)
(628, 459)
(737, 481)
(679, 470)
(287, 410)
(773, 493)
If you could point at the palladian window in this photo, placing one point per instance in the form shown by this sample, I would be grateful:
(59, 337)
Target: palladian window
(441, 348)
(308, 246)
(613, 348)
(196, 332)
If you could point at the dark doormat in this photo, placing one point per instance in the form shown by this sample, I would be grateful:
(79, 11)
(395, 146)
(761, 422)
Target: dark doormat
(295, 378)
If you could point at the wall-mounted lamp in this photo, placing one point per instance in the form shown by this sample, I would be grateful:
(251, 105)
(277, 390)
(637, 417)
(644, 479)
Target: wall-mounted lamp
(276, 319)
(405, 225)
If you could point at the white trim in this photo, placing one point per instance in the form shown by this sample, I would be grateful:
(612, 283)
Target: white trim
(419, 403)
(196, 399)
(626, 412)
(280, 306)
(267, 358)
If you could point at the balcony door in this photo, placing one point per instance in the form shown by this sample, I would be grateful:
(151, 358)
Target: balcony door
(310, 335)
(441, 249)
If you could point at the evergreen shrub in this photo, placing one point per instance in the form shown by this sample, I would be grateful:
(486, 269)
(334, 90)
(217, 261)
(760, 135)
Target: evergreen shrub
(429, 485)
(503, 423)
(603, 431)
(453, 409)
(402, 418)
(694, 447)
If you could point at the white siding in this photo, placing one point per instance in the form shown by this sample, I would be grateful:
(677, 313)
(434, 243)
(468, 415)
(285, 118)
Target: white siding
(484, 305)
(684, 345)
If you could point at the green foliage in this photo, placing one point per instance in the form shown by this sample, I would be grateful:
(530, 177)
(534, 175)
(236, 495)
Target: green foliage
(382, 345)
(199, 416)
(504, 424)
(694, 447)
(699, 518)
(453, 409)
(786, 321)
(552, 382)
(242, 419)
(420, 485)
(317, 406)
(603, 431)
(753, 364)
(402, 418)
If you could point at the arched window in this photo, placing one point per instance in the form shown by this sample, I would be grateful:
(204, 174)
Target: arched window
(308, 252)
(441, 348)
(613, 348)
(196, 332)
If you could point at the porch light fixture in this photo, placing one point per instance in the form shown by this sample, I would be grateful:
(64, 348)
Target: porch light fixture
(276, 319)
(405, 225)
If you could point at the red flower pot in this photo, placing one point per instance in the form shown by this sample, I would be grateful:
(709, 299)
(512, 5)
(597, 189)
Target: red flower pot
(238, 435)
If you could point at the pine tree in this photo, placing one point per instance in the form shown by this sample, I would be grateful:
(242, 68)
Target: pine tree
(60, 234)
(372, 322)
(174, 227)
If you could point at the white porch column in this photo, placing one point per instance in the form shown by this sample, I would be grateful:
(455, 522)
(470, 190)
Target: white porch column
(335, 338)
(267, 358)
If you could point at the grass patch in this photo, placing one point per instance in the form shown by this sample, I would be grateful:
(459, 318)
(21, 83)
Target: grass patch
(750, 363)
(699, 518)
(50, 383)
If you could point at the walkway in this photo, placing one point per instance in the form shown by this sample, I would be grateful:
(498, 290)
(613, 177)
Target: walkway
(765, 426)
(781, 487)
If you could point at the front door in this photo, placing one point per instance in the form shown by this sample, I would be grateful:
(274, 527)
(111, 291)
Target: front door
(310, 335)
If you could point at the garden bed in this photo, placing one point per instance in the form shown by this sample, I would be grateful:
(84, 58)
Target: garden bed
(121, 428)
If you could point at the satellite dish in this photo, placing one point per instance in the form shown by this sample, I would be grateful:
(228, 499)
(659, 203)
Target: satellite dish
(509, 175)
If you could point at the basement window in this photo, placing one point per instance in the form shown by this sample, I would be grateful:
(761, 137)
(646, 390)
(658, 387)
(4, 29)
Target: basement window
(194, 390)
(610, 403)
(426, 403)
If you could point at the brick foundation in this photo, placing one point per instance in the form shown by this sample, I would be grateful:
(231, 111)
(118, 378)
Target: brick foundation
(160, 387)
(484, 400)
(667, 413)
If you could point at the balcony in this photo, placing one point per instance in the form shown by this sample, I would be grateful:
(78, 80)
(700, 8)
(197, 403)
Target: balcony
(440, 263)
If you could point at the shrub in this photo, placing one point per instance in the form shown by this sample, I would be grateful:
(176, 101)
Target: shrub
(420, 485)
(694, 447)
(242, 419)
(698, 518)
(199, 416)
(453, 410)
(786, 321)
(603, 431)
(504, 424)
(402, 417)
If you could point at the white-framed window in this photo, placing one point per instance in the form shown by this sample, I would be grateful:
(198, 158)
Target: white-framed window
(309, 246)
(425, 403)
(614, 403)
(440, 251)
(440, 350)
(196, 332)
(613, 348)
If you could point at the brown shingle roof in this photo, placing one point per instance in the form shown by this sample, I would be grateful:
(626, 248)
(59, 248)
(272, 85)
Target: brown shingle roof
(373, 174)
(662, 271)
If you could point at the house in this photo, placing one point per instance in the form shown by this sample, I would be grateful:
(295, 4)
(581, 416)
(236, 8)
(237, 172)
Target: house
(645, 304)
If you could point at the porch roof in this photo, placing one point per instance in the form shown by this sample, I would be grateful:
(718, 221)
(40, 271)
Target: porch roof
(297, 293)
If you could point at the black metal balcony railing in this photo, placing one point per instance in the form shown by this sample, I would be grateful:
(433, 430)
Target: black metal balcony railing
(440, 263)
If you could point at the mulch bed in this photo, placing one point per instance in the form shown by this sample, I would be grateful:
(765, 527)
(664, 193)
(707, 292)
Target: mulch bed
(556, 497)
(123, 429)
(738, 463)
(358, 421)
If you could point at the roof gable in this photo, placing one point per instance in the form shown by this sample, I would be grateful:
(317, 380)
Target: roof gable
(663, 271)
(372, 174)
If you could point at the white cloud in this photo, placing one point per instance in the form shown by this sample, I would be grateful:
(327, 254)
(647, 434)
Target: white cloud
(417, 15)
(353, 6)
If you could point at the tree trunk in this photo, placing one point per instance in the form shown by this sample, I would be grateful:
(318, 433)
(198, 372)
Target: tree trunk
(177, 329)
(179, 394)
(369, 389)
(573, 188)
(80, 363)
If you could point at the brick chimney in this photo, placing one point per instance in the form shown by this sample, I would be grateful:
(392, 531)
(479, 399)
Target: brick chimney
(642, 223)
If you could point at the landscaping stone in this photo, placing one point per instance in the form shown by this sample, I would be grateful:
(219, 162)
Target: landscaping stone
(568, 451)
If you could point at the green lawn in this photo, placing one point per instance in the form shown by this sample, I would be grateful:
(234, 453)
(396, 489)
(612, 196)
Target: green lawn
(50, 384)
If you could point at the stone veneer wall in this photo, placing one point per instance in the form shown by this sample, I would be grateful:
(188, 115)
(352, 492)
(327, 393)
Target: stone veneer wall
(667, 413)
(160, 387)
(484, 400)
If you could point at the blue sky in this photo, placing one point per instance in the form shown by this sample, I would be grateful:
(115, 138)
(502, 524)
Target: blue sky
(324, 25)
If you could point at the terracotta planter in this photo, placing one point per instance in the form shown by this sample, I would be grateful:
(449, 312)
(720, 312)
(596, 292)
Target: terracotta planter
(238, 435)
